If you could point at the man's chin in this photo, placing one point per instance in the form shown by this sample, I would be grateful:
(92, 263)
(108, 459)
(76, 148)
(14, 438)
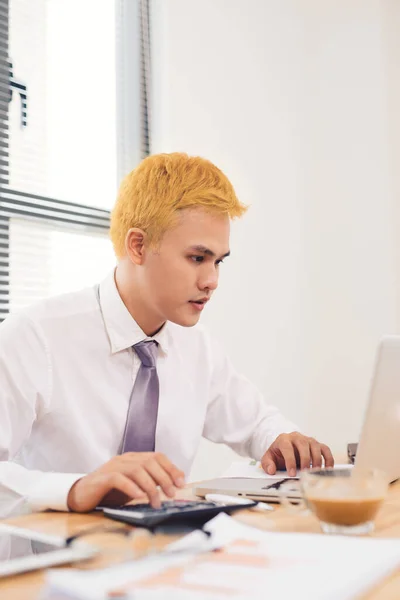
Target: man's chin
(185, 320)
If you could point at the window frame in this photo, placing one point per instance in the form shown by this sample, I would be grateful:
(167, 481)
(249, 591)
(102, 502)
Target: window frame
(133, 133)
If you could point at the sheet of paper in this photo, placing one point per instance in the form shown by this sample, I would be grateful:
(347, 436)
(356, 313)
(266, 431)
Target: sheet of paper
(249, 563)
(253, 470)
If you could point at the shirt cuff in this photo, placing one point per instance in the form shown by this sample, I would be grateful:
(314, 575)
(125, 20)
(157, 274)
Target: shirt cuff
(51, 490)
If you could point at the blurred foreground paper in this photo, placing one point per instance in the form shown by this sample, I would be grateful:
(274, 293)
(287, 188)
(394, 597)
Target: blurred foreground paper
(249, 564)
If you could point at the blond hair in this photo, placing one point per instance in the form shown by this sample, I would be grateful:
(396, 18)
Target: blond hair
(163, 184)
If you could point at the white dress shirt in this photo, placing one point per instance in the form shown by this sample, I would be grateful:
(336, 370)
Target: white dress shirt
(67, 369)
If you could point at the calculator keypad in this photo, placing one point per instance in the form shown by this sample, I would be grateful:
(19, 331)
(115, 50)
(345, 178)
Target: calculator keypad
(180, 512)
(170, 507)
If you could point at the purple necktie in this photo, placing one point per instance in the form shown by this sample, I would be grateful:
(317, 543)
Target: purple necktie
(140, 428)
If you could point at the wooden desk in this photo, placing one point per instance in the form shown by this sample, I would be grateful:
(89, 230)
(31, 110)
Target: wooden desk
(115, 547)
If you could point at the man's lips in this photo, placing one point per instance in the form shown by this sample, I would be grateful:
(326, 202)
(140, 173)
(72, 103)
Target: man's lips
(200, 300)
(199, 304)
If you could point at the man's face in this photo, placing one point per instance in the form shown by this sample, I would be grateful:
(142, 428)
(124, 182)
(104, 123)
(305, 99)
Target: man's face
(180, 275)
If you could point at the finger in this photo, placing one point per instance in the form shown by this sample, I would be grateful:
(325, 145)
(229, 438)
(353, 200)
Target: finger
(148, 485)
(303, 448)
(287, 451)
(118, 496)
(177, 476)
(88, 492)
(161, 477)
(327, 454)
(122, 483)
(316, 454)
(268, 462)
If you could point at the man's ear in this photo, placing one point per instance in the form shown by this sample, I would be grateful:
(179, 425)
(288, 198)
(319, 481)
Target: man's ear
(135, 245)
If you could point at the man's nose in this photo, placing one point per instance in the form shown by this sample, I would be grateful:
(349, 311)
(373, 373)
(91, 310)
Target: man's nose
(209, 281)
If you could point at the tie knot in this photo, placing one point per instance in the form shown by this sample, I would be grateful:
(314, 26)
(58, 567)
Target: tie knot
(147, 352)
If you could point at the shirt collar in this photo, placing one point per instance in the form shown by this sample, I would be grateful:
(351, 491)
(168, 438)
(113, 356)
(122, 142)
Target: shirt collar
(122, 329)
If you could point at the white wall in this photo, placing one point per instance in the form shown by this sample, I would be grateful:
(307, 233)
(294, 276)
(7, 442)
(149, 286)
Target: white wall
(296, 102)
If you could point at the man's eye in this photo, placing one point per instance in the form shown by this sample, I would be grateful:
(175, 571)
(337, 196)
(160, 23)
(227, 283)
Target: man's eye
(219, 262)
(197, 259)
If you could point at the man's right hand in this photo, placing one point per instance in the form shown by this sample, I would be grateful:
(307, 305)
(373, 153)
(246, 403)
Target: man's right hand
(130, 476)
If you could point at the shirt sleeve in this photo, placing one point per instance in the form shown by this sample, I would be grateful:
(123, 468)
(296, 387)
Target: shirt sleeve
(238, 414)
(25, 392)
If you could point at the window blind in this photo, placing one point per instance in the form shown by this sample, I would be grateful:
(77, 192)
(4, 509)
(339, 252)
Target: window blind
(62, 128)
(4, 100)
(145, 75)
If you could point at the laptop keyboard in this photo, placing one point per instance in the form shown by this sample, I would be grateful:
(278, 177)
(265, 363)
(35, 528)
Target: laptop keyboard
(277, 484)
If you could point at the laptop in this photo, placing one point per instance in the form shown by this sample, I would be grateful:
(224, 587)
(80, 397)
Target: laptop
(378, 447)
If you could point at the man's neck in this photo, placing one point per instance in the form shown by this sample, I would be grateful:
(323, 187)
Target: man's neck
(134, 303)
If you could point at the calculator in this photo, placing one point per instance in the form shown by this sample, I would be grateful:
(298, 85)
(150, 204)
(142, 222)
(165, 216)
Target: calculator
(182, 512)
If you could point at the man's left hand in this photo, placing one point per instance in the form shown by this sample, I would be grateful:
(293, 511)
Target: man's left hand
(291, 450)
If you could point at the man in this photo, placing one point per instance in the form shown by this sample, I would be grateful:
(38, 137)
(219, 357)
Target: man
(106, 392)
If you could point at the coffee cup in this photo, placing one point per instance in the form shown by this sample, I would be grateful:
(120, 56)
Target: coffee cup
(345, 501)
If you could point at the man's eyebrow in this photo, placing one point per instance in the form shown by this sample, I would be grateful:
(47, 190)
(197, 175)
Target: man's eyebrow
(205, 250)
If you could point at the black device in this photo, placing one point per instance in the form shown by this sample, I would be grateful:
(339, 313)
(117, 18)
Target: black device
(191, 513)
(352, 451)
